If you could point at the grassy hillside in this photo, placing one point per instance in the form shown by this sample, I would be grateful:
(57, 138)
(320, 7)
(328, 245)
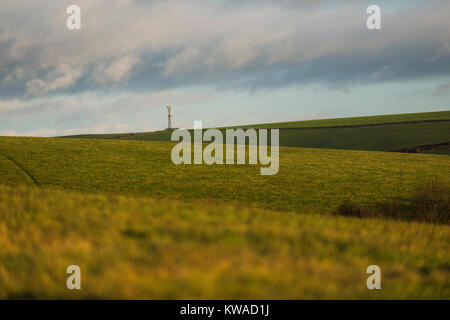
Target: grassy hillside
(377, 133)
(369, 120)
(142, 227)
(373, 138)
(141, 248)
(11, 174)
(376, 138)
(308, 179)
(405, 117)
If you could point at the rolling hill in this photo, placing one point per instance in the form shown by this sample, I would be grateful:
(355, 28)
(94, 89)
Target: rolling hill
(375, 133)
(141, 227)
(308, 179)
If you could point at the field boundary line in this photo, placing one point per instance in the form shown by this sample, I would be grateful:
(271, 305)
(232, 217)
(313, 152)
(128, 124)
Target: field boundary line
(424, 147)
(23, 169)
(353, 125)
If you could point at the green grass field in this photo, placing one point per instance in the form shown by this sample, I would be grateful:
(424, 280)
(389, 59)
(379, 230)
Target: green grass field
(131, 247)
(376, 133)
(308, 179)
(141, 227)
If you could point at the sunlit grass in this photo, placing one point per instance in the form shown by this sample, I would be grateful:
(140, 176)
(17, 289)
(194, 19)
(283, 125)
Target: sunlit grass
(142, 227)
(308, 179)
(142, 248)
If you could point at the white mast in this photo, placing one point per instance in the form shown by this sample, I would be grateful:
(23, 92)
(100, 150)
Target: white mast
(169, 116)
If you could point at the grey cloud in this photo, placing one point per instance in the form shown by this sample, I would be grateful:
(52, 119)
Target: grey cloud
(152, 45)
(442, 89)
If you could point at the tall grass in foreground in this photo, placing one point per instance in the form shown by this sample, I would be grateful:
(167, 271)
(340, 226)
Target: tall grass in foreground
(429, 202)
(136, 248)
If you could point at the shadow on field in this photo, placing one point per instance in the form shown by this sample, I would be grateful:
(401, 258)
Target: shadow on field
(429, 202)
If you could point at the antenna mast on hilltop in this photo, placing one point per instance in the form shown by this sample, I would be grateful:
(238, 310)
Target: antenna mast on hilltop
(169, 116)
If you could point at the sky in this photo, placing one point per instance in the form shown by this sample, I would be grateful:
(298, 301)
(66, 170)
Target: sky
(222, 62)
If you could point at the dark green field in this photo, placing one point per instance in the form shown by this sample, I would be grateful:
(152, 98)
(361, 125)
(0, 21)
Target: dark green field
(390, 118)
(377, 133)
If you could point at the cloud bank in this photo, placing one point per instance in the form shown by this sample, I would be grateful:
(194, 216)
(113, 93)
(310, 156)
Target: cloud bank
(151, 46)
(146, 45)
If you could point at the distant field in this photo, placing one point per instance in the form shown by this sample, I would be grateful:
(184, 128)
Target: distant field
(377, 133)
(140, 248)
(313, 180)
(376, 138)
(405, 117)
(373, 138)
